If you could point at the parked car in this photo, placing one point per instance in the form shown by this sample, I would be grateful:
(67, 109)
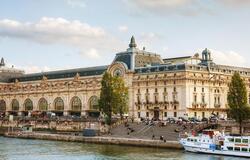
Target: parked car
(194, 120)
(223, 119)
(183, 119)
(213, 119)
(204, 119)
(171, 120)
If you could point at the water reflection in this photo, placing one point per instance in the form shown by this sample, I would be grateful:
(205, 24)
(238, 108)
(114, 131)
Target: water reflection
(20, 149)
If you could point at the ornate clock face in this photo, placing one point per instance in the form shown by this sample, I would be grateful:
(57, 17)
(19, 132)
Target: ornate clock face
(118, 72)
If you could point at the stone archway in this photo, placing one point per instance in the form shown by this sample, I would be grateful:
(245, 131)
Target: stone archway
(93, 103)
(2, 106)
(76, 106)
(58, 106)
(43, 104)
(15, 105)
(28, 105)
(93, 107)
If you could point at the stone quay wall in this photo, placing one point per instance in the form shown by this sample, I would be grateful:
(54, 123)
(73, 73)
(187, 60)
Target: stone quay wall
(58, 126)
(97, 140)
(233, 127)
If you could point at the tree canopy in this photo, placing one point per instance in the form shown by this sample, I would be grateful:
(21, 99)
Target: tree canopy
(237, 100)
(113, 97)
(120, 99)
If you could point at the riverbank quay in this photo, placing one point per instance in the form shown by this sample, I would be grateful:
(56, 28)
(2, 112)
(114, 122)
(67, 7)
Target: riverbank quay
(97, 140)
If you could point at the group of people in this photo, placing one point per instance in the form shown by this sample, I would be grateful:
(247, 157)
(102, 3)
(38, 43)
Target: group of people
(161, 138)
(129, 129)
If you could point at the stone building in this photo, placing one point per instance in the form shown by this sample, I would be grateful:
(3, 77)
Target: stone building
(192, 86)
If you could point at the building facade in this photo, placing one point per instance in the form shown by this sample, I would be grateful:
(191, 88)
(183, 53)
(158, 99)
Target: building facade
(190, 86)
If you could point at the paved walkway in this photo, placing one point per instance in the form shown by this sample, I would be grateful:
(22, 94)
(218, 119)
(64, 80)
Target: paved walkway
(143, 131)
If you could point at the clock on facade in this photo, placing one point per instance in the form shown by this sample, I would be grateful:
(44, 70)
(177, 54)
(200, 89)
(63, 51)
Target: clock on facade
(118, 72)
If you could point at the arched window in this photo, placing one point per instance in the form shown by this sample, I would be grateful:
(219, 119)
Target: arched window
(2, 105)
(59, 104)
(28, 105)
(93, 103)
(15, 105)
(43, 104)
(76, 104)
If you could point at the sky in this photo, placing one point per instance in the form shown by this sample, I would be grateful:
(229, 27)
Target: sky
(45, 35)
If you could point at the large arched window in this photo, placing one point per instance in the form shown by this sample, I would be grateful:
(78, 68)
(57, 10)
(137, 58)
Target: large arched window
(2, 105)
(15, 105)
(28, 105)
(59, 104)
(76, 104)
(93, 103)
(43, 104)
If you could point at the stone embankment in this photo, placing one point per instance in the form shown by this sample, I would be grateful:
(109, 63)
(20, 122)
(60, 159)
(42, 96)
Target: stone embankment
(97, 140)
(56, 126)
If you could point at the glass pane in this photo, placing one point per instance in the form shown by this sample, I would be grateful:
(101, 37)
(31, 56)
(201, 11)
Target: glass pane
(238, 140)
(2, 105)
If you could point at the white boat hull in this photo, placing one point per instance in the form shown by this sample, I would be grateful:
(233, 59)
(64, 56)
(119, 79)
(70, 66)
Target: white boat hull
(216, 152)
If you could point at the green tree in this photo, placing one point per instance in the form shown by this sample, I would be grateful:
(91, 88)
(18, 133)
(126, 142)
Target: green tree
(113, 97)
(237, 100)
(105, 101)
(120, 99)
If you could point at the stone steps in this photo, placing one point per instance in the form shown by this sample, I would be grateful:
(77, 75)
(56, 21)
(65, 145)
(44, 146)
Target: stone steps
(144, 131)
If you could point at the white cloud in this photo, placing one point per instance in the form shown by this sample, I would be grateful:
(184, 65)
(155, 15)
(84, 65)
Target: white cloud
(61, 31)
(149, 36)
(76, 3)
(123, 28)
(30, 68)
(163, 3)
(231, 58)
(92, 53)
(228, 58)
(184, 7)
(49, 30)
(165, 49)
(180, 7)
(34, 69)
(148, 40)
(235, 3)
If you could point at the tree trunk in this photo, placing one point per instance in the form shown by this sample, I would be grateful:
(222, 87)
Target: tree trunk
(121, 115)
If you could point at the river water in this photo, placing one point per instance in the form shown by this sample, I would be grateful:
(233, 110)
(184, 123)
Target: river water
(22, 149)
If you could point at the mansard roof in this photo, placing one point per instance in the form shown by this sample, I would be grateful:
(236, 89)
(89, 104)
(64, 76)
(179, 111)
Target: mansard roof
(176, 59)
(90, 71)
(161, 68)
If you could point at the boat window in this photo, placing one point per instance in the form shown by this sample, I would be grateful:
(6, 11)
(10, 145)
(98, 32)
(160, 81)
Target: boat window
(230, 148)
(195, 140)
(244, 149)
(244, 140)
(237, 140)
(237, 148)
(203, 140)
(188, 139)
(192, 140)
(231, 139)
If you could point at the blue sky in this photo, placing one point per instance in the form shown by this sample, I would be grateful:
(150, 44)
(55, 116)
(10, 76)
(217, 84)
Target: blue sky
(46, 35)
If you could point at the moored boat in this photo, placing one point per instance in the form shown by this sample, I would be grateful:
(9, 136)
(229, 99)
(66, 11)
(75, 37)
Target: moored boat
(214, 142)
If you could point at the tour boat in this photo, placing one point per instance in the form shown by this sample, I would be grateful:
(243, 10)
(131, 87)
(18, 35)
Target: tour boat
(214, 142)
